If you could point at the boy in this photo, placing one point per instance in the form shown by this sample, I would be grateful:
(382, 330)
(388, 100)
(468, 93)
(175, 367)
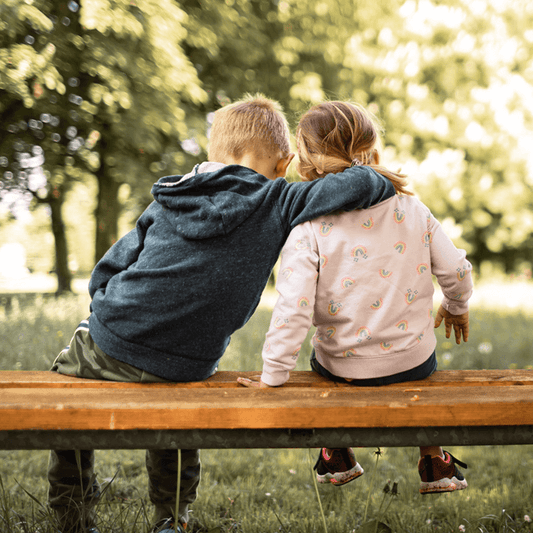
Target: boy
(168, 295)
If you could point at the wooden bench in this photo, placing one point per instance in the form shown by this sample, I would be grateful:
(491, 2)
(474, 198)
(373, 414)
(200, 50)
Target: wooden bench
(42, 410)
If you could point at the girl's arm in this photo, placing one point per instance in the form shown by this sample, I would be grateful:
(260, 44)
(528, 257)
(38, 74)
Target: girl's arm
(291, 318)
(452, 269)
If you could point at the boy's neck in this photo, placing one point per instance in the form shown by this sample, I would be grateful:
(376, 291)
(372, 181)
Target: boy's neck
(270, 167)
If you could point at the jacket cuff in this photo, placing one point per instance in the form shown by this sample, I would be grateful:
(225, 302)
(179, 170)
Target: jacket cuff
(455, 307)
(274, 378)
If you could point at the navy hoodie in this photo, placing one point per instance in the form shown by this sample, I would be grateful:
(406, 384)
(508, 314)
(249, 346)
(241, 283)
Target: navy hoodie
(168, 295)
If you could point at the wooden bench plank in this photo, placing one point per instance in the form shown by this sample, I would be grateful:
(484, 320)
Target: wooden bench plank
(302, 407)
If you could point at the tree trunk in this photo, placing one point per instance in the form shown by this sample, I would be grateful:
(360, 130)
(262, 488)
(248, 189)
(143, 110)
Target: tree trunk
(64, 277)
(106, 214)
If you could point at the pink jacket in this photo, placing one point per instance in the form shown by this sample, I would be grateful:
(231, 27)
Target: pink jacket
(364, 279)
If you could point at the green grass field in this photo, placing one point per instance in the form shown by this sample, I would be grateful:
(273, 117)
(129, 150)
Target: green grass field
(267, 491)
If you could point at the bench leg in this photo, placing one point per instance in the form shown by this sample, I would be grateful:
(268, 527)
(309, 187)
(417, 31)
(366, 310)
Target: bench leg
(162, 466)
(73, 489)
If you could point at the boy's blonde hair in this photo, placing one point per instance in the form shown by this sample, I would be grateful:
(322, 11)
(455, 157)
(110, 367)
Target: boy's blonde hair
(333, 136)
(254, 124)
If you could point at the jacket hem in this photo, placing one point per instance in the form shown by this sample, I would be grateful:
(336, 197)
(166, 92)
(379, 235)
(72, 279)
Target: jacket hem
(370, 366)
(172, 367)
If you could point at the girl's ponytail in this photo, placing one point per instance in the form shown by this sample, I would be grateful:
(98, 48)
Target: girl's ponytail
(333, 136)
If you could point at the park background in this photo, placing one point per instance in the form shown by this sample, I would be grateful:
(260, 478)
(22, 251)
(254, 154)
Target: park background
(100, 98)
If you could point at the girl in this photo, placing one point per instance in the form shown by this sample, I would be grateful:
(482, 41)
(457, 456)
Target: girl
(364, 279)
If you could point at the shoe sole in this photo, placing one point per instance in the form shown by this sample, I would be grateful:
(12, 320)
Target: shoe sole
(341, 478)
(443, 485)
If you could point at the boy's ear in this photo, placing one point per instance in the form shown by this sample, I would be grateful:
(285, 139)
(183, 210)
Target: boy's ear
(282, 166)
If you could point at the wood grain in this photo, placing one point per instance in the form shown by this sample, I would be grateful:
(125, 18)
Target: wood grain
(46, 400)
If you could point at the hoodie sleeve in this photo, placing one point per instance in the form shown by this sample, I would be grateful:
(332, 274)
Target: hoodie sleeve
(357, 187)
(118, 258)
(451, 268)
(291, 318)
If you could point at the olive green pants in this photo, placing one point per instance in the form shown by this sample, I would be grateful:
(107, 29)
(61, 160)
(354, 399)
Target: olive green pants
(73, 489)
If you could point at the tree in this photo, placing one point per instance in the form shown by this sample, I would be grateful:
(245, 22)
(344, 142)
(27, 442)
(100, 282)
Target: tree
(104, 90)
(120, 93)
(26, 66)
(446, 86)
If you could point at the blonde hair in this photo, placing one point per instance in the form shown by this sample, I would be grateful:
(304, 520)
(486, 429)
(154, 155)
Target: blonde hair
(333, 136)
(254, 124)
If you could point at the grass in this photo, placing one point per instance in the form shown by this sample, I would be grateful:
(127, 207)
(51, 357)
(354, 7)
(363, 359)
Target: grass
(267, 491)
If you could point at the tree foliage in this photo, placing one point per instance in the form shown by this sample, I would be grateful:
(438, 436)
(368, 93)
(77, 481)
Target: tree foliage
(119, 91)
(100, 90)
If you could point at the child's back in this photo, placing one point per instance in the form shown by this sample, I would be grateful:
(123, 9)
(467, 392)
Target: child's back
(373, 298)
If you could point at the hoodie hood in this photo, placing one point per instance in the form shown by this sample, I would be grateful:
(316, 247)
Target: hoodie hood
(210, 201)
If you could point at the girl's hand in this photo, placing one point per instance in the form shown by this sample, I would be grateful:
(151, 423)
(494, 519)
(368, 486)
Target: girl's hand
(253, 384)
(458, 322)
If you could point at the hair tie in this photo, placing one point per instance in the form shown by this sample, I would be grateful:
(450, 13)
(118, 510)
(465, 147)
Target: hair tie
(356, 162)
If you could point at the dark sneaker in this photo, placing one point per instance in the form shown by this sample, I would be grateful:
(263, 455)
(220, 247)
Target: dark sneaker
(168, 526)
(440, 475)
(338, 468)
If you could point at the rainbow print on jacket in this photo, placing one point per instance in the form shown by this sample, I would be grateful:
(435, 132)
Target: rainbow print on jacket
(334, 308)
(421, 268)
(461, 273)
(303, 302)
(280, 322)
(386, 346)
(369, 224)
(325, 229)
(400, 247)
(377, 304)
(427, 238)
(359, 252)
(330, 332)
(323, 260)
(362, 334)
(346, 282)
(403, 325)
(410, 296)
(385, 273)
(287, 272)
(399, 216)
(349, 353)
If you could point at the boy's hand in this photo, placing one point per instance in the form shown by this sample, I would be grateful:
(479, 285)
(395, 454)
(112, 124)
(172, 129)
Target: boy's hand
(459, 323)
(253, 384)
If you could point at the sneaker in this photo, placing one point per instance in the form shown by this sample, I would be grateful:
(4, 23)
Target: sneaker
(338, 468)
(168, 525)
(440, 475)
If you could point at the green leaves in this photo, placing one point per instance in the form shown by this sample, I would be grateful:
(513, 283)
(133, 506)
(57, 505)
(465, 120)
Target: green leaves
(451, 82)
